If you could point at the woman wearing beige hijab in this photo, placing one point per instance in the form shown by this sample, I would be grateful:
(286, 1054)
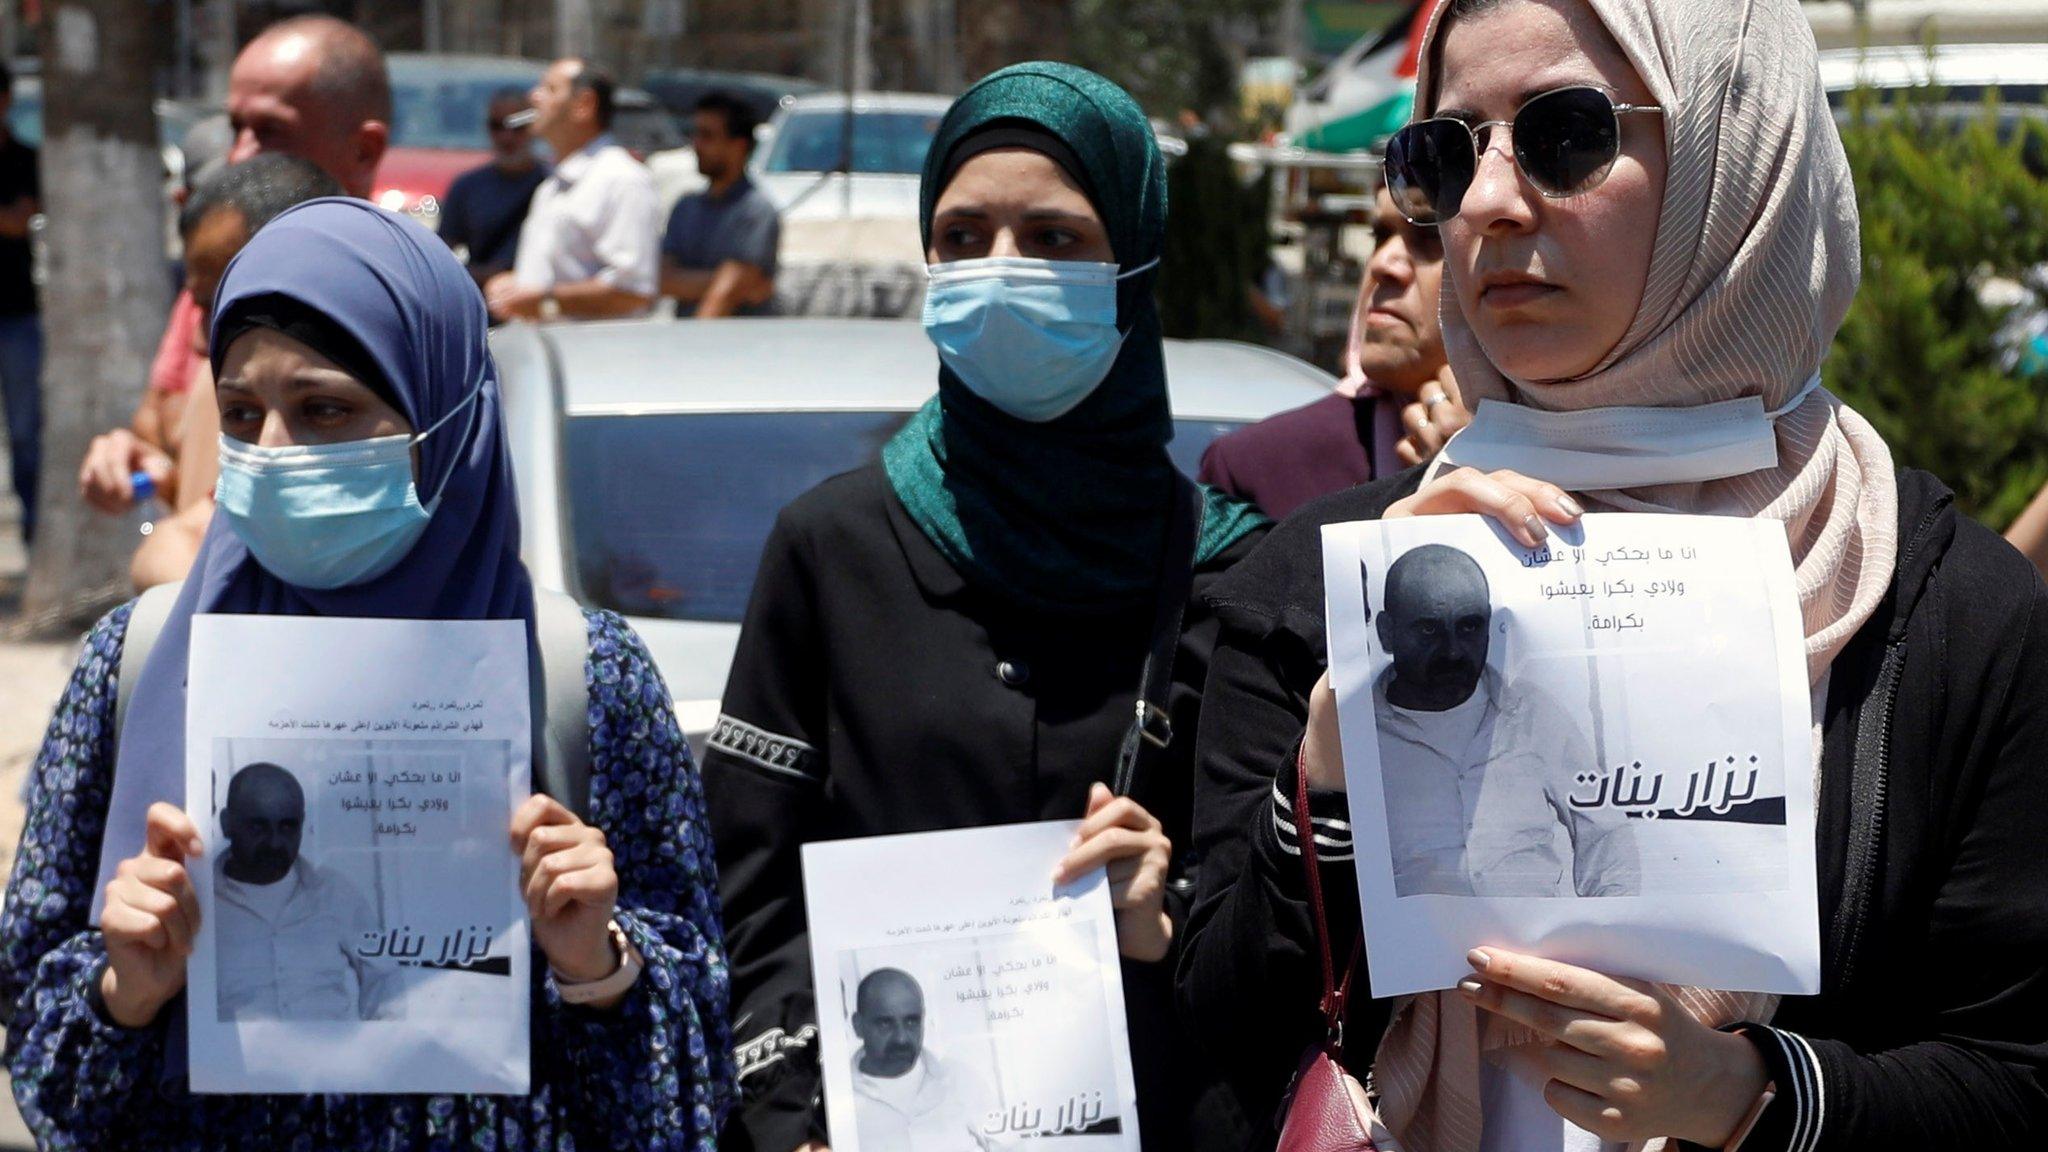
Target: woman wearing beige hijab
(1650, 239)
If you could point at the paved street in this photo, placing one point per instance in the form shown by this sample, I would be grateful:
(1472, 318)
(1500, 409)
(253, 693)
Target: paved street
(32, 676)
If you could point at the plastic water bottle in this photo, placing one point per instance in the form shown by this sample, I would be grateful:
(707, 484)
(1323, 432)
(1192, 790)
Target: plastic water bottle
(141, 514)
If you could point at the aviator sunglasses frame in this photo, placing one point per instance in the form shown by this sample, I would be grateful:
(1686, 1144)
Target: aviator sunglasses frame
(1413, 198)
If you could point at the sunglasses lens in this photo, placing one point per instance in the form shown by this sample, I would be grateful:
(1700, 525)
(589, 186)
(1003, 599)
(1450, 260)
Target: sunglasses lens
(1428, 167)
(1566, 140)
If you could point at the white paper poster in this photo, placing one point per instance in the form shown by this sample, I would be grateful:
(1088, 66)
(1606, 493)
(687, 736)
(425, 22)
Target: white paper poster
(1599, 751)
(965, 1004)
(361, 928)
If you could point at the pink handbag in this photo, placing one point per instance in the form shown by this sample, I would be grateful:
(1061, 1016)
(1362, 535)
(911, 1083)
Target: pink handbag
(1325, 1109)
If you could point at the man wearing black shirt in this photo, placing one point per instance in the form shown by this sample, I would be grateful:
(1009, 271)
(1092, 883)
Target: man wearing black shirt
(486, 206)
(21, 329)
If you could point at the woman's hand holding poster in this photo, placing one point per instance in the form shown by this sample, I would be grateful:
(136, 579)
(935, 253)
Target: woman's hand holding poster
(361, 927)
(1599, 751)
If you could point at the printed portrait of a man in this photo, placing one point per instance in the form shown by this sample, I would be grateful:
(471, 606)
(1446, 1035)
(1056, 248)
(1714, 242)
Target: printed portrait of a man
(288, 929)
(906, 1097)
(1477, 767)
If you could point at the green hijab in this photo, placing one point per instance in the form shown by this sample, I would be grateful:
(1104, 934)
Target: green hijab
(1069, 515)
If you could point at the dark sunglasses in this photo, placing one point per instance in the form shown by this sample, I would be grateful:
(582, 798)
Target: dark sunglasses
(1565, 142)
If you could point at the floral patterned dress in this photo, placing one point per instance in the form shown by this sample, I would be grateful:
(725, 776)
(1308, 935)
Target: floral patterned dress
(654, 1073)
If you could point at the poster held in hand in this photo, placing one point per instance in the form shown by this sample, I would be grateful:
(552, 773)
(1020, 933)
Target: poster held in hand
(1599, 751)
(965, 1004)
(361, 928)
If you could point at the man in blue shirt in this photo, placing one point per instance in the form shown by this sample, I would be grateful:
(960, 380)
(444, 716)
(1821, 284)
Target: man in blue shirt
(486, 206)
(718, 252)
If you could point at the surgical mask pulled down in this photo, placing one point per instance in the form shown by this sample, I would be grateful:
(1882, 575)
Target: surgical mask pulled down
(1032, 337)
(325, 516)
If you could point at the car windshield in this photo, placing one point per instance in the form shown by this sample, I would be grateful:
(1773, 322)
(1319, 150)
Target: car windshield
(882, 142)
(448, 111)
(646, 129)
(667, 514)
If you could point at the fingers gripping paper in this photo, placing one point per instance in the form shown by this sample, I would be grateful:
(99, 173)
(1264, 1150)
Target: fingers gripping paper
(1598, 751)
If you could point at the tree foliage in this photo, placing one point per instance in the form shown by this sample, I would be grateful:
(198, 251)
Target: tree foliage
(1172, 54)
(1954, 206)
(1217, 242)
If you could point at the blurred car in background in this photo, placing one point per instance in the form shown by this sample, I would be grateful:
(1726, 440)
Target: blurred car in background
(1965, 74)
(807, 168)
(644, 125)
(679, 89)
(652, 456)
(850, 240)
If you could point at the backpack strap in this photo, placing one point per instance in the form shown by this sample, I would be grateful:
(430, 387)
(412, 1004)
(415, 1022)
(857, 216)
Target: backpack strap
(561, 701)
(145, 624)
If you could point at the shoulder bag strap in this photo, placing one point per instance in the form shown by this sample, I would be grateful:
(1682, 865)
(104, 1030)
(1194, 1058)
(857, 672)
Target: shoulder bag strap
(1335, 991)
(145, 623)
(561, 701)
(1153, 724)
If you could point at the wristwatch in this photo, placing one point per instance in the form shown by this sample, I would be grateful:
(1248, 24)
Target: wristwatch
(550, 307)
(603, 988)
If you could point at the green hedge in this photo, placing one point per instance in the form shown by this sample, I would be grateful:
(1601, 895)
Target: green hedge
(1949, 201)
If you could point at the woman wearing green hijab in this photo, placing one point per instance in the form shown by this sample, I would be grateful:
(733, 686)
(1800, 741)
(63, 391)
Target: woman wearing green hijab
(957, 635)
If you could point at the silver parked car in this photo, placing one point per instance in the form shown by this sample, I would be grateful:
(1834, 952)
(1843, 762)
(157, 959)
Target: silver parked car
(652, 456)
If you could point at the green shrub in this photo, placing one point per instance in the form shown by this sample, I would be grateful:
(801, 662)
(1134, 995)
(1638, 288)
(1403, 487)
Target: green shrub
(1949, 202)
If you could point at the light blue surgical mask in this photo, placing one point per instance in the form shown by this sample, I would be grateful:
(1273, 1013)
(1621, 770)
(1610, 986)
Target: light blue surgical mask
(1032, 337)
(326, 516)
(1598, 449)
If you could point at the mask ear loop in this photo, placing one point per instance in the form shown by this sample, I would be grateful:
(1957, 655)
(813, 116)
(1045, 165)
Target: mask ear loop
(469, 402)
(1809, 388)
(1141, 269)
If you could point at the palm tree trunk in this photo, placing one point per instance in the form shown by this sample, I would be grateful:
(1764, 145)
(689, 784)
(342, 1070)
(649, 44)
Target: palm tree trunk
(107, 293)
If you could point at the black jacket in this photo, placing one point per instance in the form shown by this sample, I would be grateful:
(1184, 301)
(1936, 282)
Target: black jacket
(875, 692)
(1931, 1031)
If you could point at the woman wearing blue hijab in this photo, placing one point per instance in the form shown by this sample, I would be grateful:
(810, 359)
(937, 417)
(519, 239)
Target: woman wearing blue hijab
(364, 474)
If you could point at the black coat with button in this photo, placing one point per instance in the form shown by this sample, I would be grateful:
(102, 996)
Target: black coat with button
(876, 692)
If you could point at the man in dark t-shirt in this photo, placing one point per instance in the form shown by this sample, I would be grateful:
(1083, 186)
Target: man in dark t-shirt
(21, 328)
(718, 251)
(486, 206)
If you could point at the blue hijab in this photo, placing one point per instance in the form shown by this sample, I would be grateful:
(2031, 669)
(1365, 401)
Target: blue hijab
(395, 288)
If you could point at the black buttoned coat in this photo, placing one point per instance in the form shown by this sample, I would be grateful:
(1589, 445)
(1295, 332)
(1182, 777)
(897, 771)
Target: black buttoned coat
(875, 691)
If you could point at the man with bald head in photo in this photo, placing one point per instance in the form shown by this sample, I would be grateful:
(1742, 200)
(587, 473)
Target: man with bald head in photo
(313, 87)
(1476, 768)
(287, 929)
(905, 1098)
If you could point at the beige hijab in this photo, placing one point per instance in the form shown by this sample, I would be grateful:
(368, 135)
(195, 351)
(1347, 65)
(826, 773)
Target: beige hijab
(1756, 260)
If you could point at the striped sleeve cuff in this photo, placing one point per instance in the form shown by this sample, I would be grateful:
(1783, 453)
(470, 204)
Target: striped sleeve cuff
(1332, 833)
(1794, 1120)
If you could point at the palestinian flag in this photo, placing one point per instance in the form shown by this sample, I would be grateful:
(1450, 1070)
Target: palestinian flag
(1367, 93)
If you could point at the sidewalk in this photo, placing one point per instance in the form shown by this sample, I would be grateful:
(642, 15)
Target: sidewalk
(32, 676)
